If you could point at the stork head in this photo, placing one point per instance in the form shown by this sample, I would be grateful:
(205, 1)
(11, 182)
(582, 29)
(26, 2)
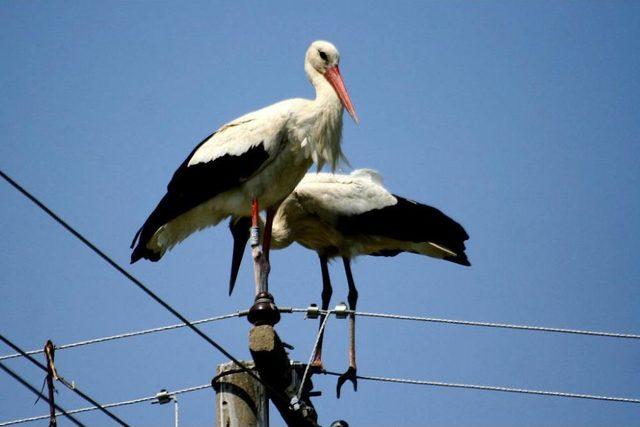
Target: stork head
(323, 58)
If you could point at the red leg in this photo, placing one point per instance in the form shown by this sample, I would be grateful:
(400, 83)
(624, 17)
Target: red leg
(255, 211)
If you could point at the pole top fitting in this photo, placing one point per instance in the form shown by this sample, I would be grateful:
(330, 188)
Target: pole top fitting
(264, 310)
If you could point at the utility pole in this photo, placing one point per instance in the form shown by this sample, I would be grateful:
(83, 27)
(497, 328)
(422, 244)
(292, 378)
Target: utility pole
(275, 368)
(241, 400)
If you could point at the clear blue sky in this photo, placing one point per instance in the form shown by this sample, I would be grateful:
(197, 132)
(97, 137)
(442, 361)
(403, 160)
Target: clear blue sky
(519, 119)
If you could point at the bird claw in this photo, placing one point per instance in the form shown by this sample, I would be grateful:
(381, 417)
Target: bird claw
(316, 367)
(350, 375)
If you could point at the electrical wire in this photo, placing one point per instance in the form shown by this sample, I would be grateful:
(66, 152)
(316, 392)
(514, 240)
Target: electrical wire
(70, 386)
(138, 283)
(313, 353)
(127, 335)
(109, 405)
(363, 314)
(357, 313)
(482, 324)
(492, 388)
(40, 396)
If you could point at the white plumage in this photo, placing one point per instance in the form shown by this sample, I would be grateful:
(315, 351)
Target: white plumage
(314, 216)
(350, 215)
(260, 156)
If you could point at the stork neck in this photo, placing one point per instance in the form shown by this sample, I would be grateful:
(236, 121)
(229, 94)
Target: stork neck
(325, 94)
(322, 122)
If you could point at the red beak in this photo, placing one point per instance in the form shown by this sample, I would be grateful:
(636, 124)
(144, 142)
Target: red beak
(335, 79)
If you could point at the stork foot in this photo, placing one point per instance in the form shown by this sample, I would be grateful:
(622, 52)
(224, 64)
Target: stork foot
(316, 367)
(349, 375)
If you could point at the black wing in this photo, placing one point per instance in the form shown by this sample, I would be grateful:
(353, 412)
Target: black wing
(193, 185)
(409, 221)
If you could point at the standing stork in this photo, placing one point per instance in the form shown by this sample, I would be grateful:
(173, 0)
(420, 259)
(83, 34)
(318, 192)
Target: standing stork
(350, 215)
(254, 161)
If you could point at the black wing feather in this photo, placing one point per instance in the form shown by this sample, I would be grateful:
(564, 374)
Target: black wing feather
(194, 185)
(411, 222)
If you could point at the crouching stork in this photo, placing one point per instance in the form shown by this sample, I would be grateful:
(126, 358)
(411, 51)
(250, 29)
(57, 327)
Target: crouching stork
(349, 215)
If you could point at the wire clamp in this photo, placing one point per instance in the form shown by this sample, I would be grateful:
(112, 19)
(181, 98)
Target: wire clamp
(313, 312)
(162, 397)
(295, 403)
(341, 311)
(305, 410)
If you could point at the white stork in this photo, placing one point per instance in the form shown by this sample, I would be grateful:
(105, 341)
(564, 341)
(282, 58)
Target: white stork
(255, 160)
(350, 215)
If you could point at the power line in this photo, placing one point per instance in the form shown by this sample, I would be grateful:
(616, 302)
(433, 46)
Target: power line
(492, 388)
(109, 405)
(363, 314)
(71, 387)
(318, 311)
(482, 324)
(313, 353)
(135, 281)
(127, 335)
(40, 395)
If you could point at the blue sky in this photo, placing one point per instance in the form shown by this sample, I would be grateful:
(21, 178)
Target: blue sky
(519, 119)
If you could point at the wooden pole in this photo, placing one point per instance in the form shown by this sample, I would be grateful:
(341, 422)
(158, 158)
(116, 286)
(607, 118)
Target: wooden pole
(241, 400)
(275, 368)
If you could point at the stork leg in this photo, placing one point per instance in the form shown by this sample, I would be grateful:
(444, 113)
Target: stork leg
(351, 373)
(316, 365)
(260, 262)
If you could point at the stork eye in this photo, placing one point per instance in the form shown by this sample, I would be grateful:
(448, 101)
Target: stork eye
(323, 56)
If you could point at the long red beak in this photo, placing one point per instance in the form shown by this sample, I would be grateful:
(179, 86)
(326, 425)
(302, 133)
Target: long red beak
(335, 79)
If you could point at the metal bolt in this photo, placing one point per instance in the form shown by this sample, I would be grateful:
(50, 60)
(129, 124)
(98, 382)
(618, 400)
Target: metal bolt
(295, 403)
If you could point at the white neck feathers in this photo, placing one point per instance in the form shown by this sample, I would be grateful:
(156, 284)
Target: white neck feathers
(322, 120)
